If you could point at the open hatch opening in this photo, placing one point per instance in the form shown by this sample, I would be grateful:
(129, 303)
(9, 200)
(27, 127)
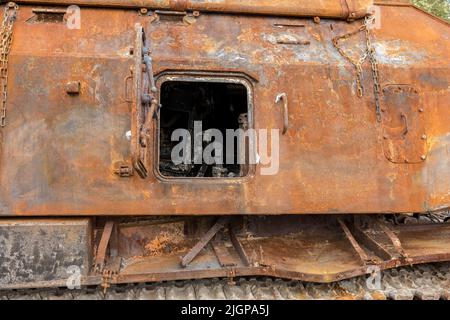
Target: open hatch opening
(216, 105)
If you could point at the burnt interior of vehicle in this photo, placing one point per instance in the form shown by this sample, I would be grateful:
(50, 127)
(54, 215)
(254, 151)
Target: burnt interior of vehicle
(218, 105)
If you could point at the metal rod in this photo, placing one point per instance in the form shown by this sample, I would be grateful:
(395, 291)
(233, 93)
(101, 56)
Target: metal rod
(339, 9)
(362, 255)
(203, 241)
(103, 245)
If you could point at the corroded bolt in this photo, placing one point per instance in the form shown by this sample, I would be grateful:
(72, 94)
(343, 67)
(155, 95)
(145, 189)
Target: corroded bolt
(385, 136)
(73, 87)
(420, 109)
(317, 20)
(424, 137)
(196, 13)
(143, 11)
(423, 157)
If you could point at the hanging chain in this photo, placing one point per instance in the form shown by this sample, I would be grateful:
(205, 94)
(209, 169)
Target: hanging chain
(9, 16)
(368, 52)
(368, 22)
(356, 63)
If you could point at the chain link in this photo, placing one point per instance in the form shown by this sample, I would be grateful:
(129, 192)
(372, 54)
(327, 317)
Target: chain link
(368, 52)
(368, 22)
(9, 16)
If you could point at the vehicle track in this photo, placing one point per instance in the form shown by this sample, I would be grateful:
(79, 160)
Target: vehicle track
(423, 282)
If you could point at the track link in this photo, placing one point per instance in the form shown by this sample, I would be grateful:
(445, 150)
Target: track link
(422, 282)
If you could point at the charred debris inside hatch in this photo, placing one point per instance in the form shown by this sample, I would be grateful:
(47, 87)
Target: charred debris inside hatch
(202, 107)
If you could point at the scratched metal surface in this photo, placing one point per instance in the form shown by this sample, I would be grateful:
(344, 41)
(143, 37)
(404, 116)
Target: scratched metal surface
(58, 151)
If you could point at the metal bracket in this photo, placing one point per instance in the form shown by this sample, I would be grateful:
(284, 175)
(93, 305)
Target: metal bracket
(221, 252)
(394, 239)
(100, 257)
(186, 17)
(371, 244)
(123, 170)
(204, 241)
(239, 248)
(360, 251)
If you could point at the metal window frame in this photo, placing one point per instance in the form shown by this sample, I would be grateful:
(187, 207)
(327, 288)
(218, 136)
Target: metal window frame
(204, 76)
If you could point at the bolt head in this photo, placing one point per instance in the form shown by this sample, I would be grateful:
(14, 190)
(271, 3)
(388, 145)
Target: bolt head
(423, 157)
(73, 87)
(424, 137)
(420, 109)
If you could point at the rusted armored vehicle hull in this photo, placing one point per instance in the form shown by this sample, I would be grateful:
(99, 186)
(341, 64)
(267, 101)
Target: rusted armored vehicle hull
(355, 110)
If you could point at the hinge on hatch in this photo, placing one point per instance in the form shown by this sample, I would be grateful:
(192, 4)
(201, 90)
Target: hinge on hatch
(145, 104)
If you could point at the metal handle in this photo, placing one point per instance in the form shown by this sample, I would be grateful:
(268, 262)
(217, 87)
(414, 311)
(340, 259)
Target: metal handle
(126, 89)
(405, 122)
(283, 96)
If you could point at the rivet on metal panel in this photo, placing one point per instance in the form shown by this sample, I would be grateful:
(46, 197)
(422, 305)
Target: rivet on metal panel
(73, 87)
(317, 20)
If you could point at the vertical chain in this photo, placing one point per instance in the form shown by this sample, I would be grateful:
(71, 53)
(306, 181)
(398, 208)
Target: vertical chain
(369, 52)
(357, 64)
(9, 16)
(368, 22)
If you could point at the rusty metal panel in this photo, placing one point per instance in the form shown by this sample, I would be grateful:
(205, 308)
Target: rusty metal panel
(43, 250)
(60, 150)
